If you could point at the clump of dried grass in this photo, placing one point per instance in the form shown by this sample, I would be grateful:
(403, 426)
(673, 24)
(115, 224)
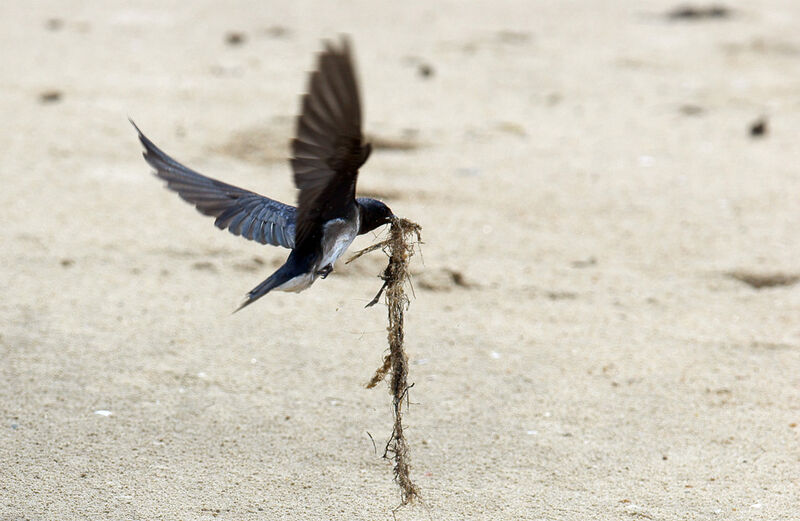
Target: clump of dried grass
(403, 237)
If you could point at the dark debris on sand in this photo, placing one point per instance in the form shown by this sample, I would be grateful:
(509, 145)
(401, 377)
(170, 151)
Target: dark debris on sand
(699, 12)
(759, 128)
(764, 280)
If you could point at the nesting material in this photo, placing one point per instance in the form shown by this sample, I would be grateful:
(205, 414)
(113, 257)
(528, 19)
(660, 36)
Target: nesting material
(403, 237)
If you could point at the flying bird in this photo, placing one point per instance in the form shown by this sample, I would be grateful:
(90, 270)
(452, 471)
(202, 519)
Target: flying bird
(327, 151)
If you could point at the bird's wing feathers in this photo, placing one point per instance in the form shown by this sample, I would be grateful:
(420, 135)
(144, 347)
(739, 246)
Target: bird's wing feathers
(328, 148)
(242, 212)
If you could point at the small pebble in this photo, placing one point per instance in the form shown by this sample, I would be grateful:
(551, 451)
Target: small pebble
(277, 31)
(54, 24)
(425, 70)
(50, 96)
(759, 127)
(235, 38)
(646, 161)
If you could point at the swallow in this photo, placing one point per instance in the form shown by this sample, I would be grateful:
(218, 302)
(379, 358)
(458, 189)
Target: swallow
(327, 151)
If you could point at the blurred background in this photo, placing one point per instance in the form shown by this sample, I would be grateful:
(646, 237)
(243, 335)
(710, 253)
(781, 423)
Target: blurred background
(604, 322)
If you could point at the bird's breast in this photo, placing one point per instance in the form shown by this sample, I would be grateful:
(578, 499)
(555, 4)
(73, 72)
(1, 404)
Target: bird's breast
(337, 236)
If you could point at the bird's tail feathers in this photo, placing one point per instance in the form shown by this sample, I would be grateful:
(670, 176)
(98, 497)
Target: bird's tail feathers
(283, 274)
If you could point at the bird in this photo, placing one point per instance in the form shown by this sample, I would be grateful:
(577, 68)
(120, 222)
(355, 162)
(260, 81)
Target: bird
(328, 150)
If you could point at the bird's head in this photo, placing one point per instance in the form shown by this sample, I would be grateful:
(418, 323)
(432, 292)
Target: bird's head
(373, 214)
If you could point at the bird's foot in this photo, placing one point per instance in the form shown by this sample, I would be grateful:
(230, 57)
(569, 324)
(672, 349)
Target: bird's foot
(325, 271)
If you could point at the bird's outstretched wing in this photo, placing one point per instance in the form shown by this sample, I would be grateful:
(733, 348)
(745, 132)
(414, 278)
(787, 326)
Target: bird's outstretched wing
(242, 212)
(328, 148)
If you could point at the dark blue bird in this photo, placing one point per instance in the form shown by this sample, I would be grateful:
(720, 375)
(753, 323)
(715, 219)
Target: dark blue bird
(327, 152)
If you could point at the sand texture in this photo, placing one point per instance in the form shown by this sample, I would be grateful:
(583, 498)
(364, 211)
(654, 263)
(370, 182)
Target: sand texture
(606, 321)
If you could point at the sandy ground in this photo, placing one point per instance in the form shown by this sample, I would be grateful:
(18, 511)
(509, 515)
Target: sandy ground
(585, 167)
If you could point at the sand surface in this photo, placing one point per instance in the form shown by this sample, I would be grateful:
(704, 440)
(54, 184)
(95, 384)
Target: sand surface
(580, 349)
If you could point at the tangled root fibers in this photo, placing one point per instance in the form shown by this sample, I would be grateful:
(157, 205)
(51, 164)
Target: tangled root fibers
(404, 236)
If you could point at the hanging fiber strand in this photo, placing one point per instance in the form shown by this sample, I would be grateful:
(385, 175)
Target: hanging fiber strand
(403, 237)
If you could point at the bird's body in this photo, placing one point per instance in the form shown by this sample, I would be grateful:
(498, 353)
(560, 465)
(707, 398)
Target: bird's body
(337, 236)
(327, 152)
